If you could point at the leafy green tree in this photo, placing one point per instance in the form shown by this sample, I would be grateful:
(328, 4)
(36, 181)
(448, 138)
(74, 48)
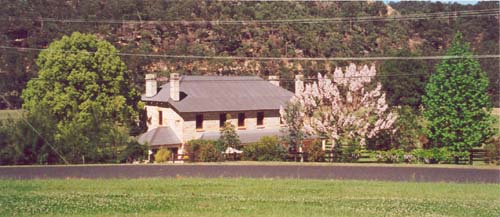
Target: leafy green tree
(456, 102)
(84, 86)
(403, 89)
(293, 134)
(228, 136)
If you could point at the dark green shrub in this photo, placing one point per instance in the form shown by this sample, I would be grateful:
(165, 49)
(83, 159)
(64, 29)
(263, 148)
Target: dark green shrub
(268, 148)
(163, 155)
(439, 155)
(133, 152)
(492, 148)
(391, 156)
(200, 150)
(315, 152)
(347, 151)
(209, 153)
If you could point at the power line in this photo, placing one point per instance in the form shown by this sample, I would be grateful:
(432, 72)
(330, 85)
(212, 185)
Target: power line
(436, 15)
(167, 56)
(35, 130)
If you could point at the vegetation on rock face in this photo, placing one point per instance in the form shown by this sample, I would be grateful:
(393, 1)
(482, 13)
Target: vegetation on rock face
(325, 39)
(456, 102)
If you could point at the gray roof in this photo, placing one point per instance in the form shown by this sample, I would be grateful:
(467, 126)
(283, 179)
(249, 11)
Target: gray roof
(159, 136)
(224, 93)
(246, 136)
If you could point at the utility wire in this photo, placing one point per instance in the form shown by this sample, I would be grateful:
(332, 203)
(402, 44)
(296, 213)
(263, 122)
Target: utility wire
(436, 15)
(36, 131)
(228, 78)
(484, 56)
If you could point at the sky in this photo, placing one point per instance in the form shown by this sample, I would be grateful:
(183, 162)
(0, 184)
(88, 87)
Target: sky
(465, 2)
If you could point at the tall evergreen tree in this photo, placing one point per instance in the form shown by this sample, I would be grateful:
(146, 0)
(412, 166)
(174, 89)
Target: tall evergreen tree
(456, 102)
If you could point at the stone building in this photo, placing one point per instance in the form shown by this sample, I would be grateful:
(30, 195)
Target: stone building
(195, 107)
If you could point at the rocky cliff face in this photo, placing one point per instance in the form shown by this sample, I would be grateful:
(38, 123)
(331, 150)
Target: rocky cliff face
(26, 25)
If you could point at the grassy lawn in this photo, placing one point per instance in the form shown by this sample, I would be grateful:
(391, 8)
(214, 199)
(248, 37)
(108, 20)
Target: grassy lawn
(6, 114)
(244, 197)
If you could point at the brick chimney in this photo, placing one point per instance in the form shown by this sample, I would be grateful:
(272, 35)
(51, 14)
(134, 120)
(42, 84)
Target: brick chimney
(174, 86)
(151, 85)
(274, 79)
(299, 84)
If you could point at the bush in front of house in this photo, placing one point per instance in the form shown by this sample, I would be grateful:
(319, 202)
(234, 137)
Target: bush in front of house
(315, 152)
(200, 150)
(209, 153)
(133, 152)
(268, 148)
(163, 155)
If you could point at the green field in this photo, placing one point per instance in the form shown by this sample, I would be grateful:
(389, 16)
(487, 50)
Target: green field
(244, 197)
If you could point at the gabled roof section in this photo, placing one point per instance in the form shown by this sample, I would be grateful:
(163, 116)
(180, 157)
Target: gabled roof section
(159, 136)
(224, 93)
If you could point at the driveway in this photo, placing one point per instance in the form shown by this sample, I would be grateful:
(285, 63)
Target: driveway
(354, 172)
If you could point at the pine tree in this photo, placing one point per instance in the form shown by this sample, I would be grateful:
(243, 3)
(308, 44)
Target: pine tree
(456, 102)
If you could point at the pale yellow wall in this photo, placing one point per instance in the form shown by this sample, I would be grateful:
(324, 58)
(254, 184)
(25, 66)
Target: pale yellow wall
(170, 118)
(211, 122)
(185, 126)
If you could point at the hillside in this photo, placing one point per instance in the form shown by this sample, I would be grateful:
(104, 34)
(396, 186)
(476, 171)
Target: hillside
(21, 26)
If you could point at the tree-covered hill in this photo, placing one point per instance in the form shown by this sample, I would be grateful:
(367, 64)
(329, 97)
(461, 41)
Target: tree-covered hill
(28, 24)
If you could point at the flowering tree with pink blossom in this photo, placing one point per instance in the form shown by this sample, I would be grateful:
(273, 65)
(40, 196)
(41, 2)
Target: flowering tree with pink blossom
(349, 107)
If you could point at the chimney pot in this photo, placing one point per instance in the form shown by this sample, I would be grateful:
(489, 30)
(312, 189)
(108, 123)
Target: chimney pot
(151, 85)
(274, 79)
(174, 86)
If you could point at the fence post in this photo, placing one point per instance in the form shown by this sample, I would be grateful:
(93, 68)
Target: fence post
(471, 156)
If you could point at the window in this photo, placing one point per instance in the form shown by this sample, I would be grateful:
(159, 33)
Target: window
(199, 121)
(260, 118)
(241, 119)
(222, 119)
(160, 117)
